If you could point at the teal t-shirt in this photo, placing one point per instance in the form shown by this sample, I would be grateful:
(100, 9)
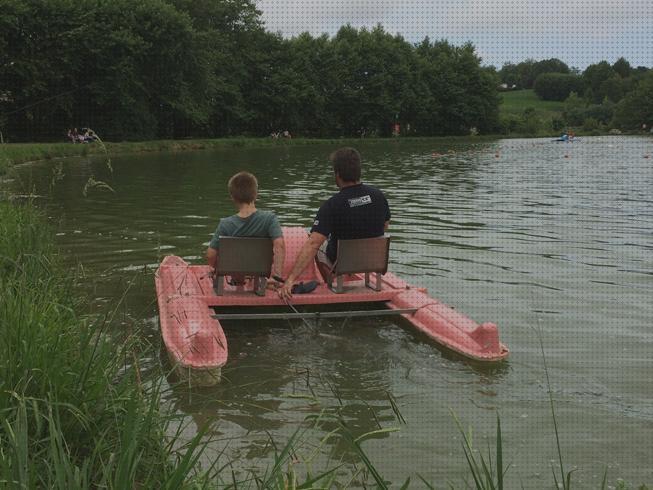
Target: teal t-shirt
(260, 224)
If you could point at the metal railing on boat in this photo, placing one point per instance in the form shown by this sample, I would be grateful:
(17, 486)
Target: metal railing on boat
(317, 315)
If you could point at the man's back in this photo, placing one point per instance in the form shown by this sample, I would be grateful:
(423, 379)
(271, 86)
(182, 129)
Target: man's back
(357, 211)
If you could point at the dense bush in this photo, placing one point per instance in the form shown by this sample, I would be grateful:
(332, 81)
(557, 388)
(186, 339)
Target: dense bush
(590, 124)
(602, 113)
(636, 109)
(557, 86)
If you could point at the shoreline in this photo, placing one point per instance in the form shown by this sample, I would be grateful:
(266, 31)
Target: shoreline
(12, 154)
(19, 153)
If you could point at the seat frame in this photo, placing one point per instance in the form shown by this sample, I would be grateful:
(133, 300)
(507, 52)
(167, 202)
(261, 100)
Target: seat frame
(241, 257)
(376, 264)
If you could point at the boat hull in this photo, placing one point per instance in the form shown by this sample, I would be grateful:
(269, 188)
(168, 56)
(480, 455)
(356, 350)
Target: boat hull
(197, 346)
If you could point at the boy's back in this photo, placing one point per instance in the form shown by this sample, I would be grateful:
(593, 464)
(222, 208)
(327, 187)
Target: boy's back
(248, 222)
(260, 224)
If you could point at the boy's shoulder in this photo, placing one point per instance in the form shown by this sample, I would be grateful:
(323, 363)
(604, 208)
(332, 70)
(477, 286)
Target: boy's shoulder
(265, 215)
(227, 223)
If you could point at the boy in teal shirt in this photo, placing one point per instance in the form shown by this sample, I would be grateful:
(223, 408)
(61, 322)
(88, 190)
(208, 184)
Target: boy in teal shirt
(248, 222)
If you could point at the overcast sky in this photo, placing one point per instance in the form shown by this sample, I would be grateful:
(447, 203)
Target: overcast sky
(579, 32)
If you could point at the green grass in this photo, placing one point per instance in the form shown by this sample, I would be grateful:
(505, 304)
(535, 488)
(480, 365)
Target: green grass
(517, 101)
(74, 413)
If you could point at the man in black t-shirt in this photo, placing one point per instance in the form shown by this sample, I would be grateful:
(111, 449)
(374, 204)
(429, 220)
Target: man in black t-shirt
(357, 211)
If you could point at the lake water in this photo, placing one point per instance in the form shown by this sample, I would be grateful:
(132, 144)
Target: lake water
(542, 238)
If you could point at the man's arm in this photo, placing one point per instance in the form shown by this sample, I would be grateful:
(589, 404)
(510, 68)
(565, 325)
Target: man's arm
(386, 225)
(279, 251)
(306, 255)
(212, 257)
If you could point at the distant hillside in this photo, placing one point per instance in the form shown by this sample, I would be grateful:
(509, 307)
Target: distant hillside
(523, 113)
(517, 101)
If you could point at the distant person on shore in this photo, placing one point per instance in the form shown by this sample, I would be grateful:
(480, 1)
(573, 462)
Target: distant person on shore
(357, 211)
(248, 222)
(89, 135)
(73, 135)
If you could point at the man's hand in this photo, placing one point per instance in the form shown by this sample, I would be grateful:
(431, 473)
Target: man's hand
(306, 255)
(273, 284)
(285, 291)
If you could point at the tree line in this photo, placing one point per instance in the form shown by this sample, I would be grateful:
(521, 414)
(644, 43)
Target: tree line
(209, 68)
(603, 95)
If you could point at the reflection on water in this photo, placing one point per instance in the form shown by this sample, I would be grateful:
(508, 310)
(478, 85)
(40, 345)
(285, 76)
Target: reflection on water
(532, 235)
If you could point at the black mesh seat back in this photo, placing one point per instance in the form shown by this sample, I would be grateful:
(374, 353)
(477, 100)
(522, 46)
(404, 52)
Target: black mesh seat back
(363, 255)
(249, 256)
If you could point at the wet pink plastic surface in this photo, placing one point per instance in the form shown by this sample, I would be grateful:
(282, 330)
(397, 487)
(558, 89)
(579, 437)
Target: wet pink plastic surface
(195, 340)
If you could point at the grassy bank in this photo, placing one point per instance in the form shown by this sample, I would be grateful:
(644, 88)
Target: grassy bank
(74, 412)
(16, 153)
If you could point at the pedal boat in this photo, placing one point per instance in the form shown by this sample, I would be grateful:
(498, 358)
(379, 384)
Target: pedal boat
(190, 301)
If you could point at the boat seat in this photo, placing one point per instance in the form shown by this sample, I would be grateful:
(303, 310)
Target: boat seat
(363, 255)
(239, 257)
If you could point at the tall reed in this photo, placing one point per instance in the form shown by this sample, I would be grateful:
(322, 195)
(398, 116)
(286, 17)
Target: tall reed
(74, 414)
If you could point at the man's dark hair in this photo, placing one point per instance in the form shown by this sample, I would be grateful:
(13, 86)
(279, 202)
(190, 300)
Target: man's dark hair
(347, 164)
(243, 188)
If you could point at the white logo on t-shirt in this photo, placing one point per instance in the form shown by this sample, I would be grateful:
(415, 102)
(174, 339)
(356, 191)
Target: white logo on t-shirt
(316, 222)
(360, 201)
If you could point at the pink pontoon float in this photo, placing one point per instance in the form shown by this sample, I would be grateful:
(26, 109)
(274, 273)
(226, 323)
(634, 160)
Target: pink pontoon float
(190, 300)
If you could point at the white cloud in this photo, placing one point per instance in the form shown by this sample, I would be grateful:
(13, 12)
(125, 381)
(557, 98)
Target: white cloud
(579, 32)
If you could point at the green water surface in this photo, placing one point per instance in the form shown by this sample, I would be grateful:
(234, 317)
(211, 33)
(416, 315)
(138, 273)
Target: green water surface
(530, 234)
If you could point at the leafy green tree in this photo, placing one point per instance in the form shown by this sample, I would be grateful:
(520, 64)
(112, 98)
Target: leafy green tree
(127, 70)
(525, 73)
(593, 78)
(636, 108)
(613, 88)
(38, 65)
(463, 95)
(552, 65)
(227, 33)
(178, 68)
(509, 75)
(622, 67)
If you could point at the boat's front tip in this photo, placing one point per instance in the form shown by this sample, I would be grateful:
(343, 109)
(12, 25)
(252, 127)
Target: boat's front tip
(486, 335)
(450, 328)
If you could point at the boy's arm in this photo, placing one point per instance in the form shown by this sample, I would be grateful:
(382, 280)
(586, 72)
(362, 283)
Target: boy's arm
(278, 246)
(279, 251)
(212, 257)
(212, 251)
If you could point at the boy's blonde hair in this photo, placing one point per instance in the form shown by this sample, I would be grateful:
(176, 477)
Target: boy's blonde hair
(243, 188)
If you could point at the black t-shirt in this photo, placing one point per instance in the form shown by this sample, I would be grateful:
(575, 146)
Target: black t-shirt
(357, 211)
